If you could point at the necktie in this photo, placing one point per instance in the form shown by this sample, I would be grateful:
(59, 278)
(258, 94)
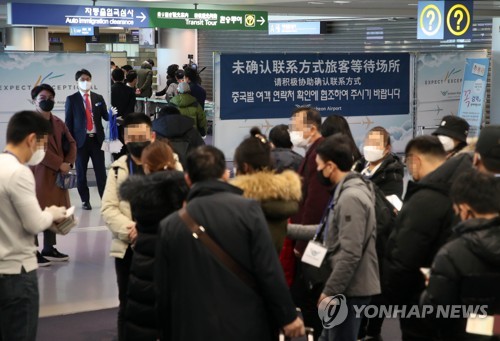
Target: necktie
(88, 112)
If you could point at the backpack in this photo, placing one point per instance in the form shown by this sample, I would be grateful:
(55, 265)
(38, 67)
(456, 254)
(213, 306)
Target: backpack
(385, 214)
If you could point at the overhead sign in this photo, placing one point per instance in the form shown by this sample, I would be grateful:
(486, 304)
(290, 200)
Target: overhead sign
(444, 20)
(68, 15)
(81, 30)
(109, 16)
(294, 28)
(272, 85)
(209, 19)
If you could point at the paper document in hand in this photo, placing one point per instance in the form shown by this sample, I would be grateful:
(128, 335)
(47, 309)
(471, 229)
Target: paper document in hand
(395, 201)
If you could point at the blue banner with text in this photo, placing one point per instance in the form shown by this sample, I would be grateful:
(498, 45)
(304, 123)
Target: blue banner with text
(257, 86)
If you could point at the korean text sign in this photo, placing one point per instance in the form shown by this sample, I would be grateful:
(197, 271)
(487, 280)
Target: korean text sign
(257, 86)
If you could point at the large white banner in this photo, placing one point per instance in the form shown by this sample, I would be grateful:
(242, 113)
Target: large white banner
(20, 72)
(439, 86)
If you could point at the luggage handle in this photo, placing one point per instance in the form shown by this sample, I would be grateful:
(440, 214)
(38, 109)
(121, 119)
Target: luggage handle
(309, 335)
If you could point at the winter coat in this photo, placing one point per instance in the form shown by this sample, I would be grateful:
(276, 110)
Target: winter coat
(116, 212)
(188, 106)
(423, 225)
(279, 196)
(47, 192)
(350, 237)
(194, 286)
(315, 198)
(466, 271)
(286, 158)
(388, 177)
(151, 198)
(180, 132)
(199, 93)
(145, 81)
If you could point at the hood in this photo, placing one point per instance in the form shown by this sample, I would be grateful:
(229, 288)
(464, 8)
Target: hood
(482, 237)
(211, 187)
(166, 189)
(171, 126)
(264, 186)
(354, 181)
(146, 66)
(183, 100)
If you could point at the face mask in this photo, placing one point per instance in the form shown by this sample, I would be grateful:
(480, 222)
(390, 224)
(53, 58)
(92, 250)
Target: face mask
(324, 180)
(46, 105)
(84, 85)
(36, 158)
(372, 153)
(136, 148)
(298, 140)
(447, 142)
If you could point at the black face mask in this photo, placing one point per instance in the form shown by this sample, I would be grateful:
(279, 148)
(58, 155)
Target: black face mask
(325, 181)
(136, 148)
(46, 105)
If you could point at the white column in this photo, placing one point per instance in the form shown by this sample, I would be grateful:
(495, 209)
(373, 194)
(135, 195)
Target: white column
(495, 73)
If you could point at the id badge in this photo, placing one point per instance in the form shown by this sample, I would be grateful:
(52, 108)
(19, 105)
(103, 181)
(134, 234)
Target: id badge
(314, 254)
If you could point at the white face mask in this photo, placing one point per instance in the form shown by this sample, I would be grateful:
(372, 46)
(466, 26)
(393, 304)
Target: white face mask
(36, 158)
(447, 142)
(85, 85)
(298, 140)
(372, 153)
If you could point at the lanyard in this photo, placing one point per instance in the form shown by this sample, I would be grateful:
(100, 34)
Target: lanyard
(322, 229)
(130, 166)
(7, 152)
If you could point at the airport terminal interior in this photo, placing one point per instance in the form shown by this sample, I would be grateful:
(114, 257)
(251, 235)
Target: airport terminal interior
(425, 48)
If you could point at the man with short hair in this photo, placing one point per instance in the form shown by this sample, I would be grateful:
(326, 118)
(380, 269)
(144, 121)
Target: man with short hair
(21, 218)
(423, 225)
(194, 285)
(349, 233)
(116, 213)
(487, 155)
(85, 111)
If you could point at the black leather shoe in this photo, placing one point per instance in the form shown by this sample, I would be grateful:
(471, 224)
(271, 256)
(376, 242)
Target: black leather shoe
(86, 206)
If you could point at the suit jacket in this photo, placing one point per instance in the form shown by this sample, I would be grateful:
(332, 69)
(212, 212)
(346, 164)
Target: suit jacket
(123, 98)
(76, 119)
(47, 192)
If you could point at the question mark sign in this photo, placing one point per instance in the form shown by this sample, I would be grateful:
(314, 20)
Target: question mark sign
(459, 14)
(432, 15)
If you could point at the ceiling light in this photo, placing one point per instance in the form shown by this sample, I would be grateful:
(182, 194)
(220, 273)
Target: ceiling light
(315, 3)
(342, 2)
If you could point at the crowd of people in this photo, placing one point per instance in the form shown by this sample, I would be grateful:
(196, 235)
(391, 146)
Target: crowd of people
(236, 251)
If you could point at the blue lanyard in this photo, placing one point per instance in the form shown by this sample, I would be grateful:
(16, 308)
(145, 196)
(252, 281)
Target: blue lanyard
(323, 226)
(130, 167)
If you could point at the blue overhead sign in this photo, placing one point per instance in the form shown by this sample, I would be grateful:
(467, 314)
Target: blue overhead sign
(68, 15)
(293, 28)
(81, 30)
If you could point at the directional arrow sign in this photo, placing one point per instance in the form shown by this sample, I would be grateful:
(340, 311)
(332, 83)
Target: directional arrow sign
(68, 15)
(209, 19)
(142, 17)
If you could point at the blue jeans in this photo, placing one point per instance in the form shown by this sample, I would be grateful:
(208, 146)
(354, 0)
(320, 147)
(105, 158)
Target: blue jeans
(19, 304)
(348, 330)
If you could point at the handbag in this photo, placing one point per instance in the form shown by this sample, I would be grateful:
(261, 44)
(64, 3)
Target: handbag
(66, 181)
(222, 256)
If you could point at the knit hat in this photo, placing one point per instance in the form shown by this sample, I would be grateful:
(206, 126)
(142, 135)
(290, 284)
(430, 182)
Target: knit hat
(488, 146)
(454, 127)
(183, 88)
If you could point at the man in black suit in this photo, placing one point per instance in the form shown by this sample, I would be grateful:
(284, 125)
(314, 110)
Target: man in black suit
(84, 113)
(123, 99)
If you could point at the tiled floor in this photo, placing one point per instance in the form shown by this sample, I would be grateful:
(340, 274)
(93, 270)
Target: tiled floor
(88, 281)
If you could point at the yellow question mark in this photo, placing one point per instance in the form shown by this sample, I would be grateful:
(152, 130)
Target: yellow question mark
(432, 15)
(459, 14)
